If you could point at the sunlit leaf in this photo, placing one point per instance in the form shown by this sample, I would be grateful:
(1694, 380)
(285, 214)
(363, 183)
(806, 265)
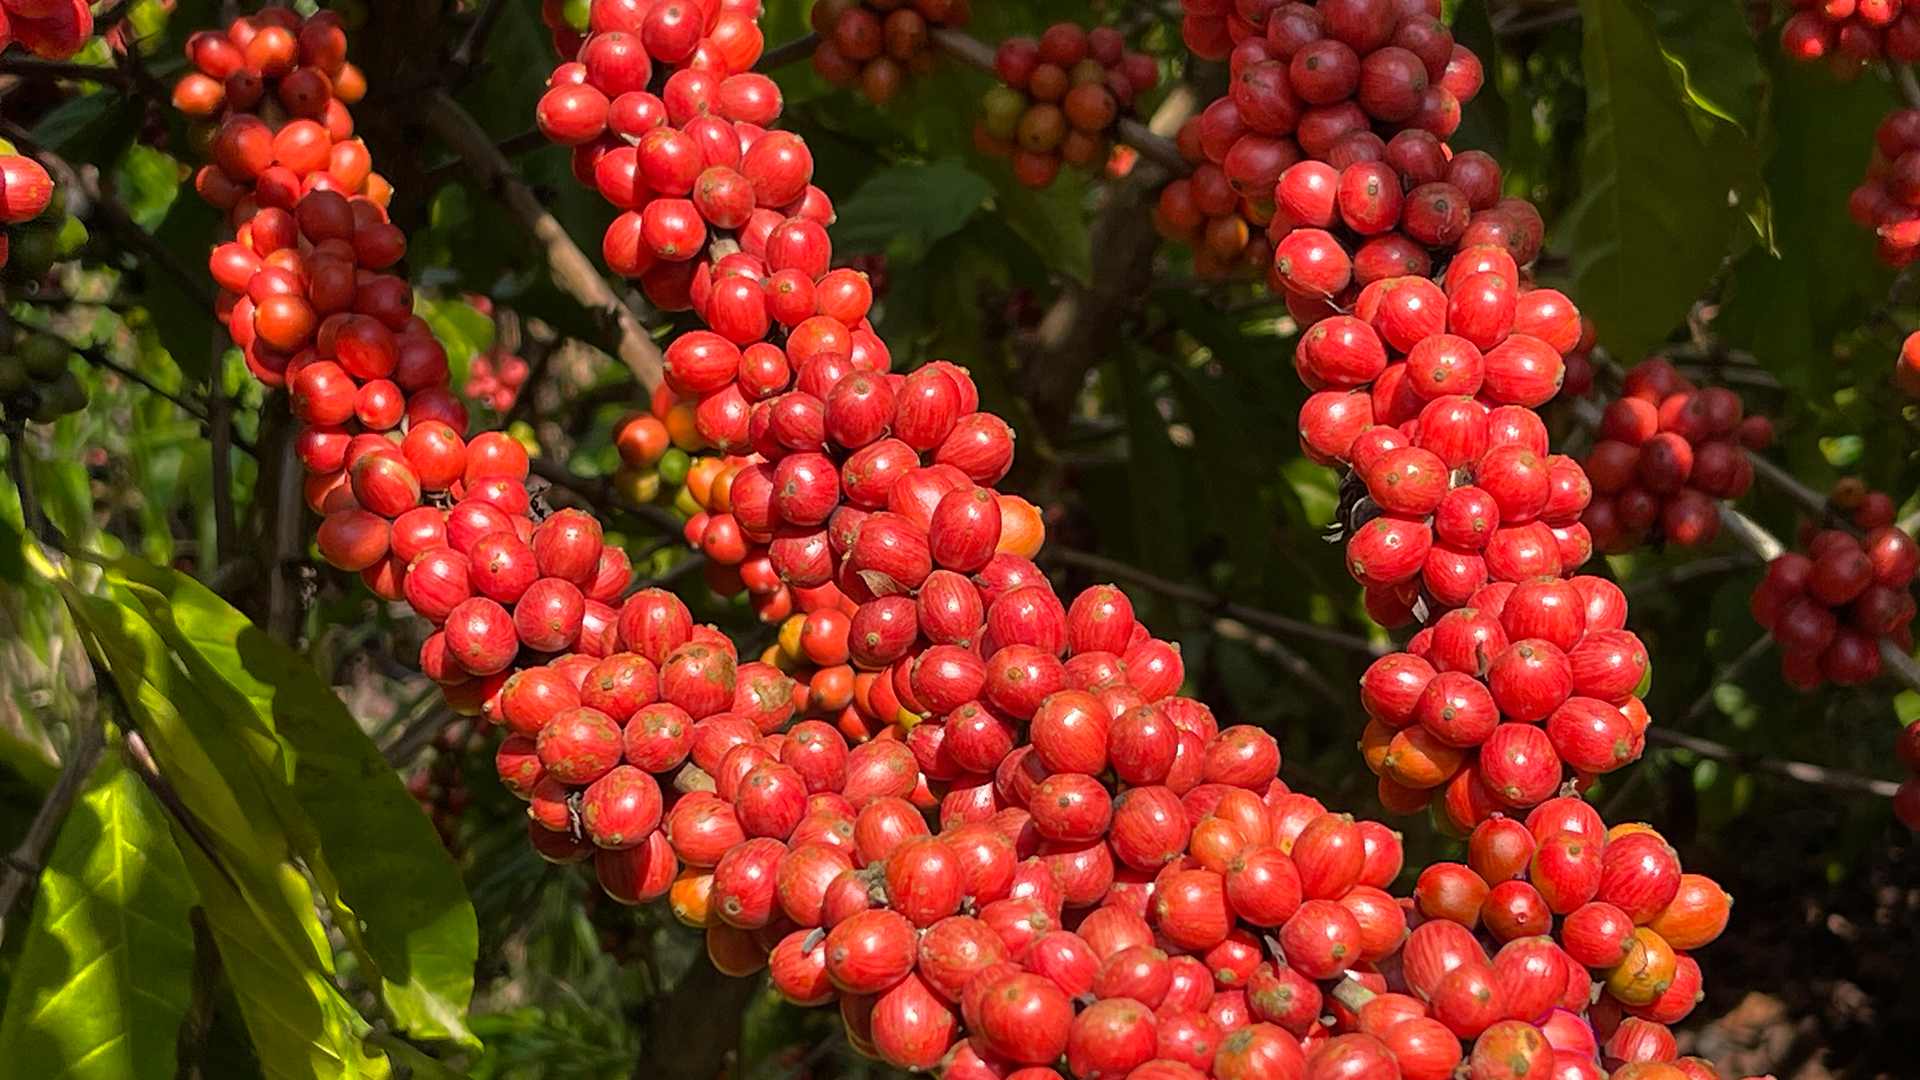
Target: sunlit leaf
(396, 887)
(103, 981)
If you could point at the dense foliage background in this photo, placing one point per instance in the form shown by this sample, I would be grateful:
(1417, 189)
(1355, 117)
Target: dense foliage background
(1155, 416)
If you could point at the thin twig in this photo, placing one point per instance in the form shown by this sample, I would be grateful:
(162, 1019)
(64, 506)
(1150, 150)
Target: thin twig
(510, 147)
(98, 357)
(467, 54)
(1805, 772)
(23, 865)
(572, 270)
(1211, 602)
(419, 734)
(780, 56)
(32, 517)
(1808, 499)
(600, 494)
(1688, 571)
(148, 770)
(31, 67)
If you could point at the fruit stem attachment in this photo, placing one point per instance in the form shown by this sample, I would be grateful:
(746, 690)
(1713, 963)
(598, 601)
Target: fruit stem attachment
(800, 48)
(572, 270)
(1350, 993)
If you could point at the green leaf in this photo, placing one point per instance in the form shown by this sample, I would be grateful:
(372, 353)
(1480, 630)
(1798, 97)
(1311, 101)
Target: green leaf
(301, 1027)
(185, 328)
(460, 326)
(380, 863)
(104, 978)
(1787, 310)
(1653, 221)
(905, 209)
(1052, 219)
(1711, 43)
(259, 908)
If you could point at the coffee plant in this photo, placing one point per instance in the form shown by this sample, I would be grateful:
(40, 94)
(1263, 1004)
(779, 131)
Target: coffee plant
(674, 538)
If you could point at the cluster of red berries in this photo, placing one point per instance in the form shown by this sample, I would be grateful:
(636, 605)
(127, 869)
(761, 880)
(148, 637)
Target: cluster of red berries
(875, 46)
(25, 191)
(50, 29)
(277, 89)
(1888, 202)
(1493, 705)
(1829, 609)
(1332, 139)
(1888, 199)
(1429, 394)
(668, 123)
(1568, 903)
(495, 378)
(1852, 34)
(1058, 98)
(1668, 452)
(1108, 862)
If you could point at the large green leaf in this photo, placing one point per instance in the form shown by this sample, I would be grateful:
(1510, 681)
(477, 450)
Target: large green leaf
(1788, 309)
(259, 908)
(1711, 43)
(379, 861)
(1653, 220)
(103, 981)
(905, 209)
(300, 1025)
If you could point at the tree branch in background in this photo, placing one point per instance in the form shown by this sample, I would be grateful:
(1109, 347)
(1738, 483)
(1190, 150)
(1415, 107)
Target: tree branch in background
(1210, 602)
(572, 270)
(780, 56)
(466, 55)
(600, 495)
(289, 547)
(1805, 772)
(692, 1032)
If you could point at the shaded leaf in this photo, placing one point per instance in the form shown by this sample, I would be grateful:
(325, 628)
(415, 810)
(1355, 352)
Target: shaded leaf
(1653, 221)
(13, 563)
(1711, 43)
(185, 328)
(300, 1025)
(1788, 310)
(104, 978)
(905, 209)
